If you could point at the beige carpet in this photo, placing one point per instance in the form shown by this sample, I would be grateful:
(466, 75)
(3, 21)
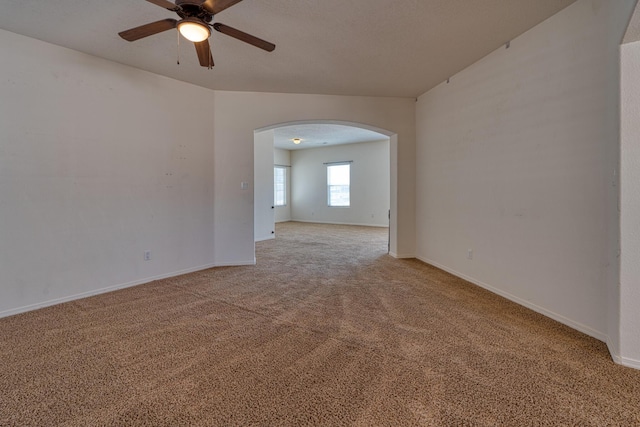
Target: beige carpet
(326, 330)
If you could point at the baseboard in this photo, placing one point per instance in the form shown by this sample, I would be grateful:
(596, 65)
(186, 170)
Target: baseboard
(614, 355)
(623, 361)
(55, 301)
(341, 223)
(270, 237)
(628, 362)
(555, 316)
(235, 263)
(401, 256)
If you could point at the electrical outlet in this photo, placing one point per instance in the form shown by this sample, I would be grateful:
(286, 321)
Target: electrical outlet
(147, 255)
(470, 254)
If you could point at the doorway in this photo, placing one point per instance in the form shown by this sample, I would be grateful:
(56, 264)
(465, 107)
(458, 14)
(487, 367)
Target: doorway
(302, 153)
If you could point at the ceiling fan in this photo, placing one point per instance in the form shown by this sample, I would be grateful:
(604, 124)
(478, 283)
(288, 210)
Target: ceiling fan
(194, 25)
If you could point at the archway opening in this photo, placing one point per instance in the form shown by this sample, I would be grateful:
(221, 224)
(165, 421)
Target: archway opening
(294, 163)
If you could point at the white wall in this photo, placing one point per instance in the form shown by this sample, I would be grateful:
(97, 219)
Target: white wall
(369, 184)
(517, 160)
(97, 167)
(94, 171)
(629, 294)
(264, 215)
(283, 158)
(238, 114)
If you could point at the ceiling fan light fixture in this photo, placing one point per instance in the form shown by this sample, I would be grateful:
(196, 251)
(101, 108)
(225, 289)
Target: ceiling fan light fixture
(194, 30)
(297, 141)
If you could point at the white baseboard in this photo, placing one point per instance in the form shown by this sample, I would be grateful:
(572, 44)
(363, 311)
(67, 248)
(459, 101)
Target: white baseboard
(401, 256)
(341, 223)
(614, 354)
(628, 362)
(271, 237)
(624, 361)
(555, 316)
(55, 301)
(235, 263)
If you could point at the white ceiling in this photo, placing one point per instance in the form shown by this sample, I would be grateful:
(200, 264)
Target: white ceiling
(319, 135)
(355, 47)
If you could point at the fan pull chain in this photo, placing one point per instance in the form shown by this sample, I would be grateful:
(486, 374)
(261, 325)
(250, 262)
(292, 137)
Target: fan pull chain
(178, 47)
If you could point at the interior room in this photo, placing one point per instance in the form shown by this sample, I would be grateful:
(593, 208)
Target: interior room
(303, 154)
(132, 163)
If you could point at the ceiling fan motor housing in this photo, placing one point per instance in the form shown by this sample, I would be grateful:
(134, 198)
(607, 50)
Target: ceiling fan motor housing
(193, 9)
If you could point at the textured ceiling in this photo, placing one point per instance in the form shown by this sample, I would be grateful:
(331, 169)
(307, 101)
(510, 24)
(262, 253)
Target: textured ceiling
(355, 47)
(321, 135)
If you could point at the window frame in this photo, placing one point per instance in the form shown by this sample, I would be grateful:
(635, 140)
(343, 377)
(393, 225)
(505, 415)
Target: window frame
(330, 185)
(275, 186)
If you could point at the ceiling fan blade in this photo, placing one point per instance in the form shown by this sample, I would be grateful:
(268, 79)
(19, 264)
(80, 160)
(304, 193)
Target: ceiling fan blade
(242, 36)
(204, 53)
(165, 3)
(217, 6)
(148, 30)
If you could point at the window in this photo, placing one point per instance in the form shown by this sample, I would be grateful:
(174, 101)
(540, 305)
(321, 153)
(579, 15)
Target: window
(280, 186)
(338, 184)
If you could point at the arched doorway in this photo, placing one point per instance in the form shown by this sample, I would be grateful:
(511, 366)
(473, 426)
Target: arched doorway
(364, 150)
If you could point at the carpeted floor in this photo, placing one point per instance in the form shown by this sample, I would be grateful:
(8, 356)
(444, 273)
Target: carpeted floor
(326, 330)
